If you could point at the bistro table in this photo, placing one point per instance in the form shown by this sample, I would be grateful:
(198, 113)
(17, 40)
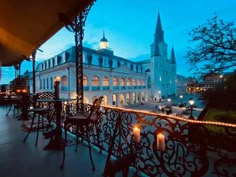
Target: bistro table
(55, 143)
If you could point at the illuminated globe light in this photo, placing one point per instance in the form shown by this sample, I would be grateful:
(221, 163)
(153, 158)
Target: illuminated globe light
(104, 42)
(191, 102)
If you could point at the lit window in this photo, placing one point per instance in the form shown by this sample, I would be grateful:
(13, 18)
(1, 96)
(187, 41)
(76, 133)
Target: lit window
(115, 81)
(85, 81)
(105, 81)
(95, 81)
(122, 82)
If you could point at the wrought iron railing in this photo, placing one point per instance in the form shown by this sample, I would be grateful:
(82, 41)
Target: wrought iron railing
(188, 147)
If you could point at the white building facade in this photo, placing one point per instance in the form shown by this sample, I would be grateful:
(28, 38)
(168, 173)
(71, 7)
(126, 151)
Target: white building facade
(119, 80)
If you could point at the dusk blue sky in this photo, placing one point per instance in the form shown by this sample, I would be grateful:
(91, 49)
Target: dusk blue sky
(129, 26)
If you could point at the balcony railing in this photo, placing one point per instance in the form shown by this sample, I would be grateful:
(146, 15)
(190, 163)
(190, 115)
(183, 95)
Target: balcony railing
(86, 88)
(188, 147)
(95, 88)
(115, 87)
(105, 87)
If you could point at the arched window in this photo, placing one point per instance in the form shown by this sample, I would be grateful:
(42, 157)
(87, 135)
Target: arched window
(64, 83)
(138, 82)
(95, 81)
(85, 80)
(134, 82)
(142, 82)
(105, 81)
(115, 81)
(128, 82)
(122, 82)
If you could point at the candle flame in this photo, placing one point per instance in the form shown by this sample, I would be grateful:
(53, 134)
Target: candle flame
(57, 79)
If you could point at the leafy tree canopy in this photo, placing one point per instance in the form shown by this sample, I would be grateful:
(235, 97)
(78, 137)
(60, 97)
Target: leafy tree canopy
(214, 47)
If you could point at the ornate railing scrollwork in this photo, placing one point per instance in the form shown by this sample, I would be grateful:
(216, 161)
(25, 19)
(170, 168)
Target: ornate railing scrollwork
(188, 149)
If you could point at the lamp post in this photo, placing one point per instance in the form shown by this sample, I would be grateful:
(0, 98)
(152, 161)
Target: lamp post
(181, 97)
(77, 27)
(159, 95)
(169, 100)
(221, 80)
(191, 102)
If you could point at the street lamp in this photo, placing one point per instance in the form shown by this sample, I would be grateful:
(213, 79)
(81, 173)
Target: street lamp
(191, 102)
(181, 97)
(159, 95)
(221, 79)
(169, 101)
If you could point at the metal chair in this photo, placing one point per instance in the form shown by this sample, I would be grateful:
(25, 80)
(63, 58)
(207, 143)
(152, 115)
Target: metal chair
(43, 113)
(82, 124)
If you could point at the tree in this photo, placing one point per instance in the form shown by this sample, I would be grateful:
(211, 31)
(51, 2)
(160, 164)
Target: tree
(214, 47)
(222, 96)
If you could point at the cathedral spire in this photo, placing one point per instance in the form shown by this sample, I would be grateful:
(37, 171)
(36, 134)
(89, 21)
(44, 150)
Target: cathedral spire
(156, 49)
(159, 34)
(172, 56)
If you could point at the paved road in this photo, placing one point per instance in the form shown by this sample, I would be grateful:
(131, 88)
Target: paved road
(175, 101)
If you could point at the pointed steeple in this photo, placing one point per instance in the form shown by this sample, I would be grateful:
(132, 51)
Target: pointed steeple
(159, 34)
(172, 56)
(156, 50)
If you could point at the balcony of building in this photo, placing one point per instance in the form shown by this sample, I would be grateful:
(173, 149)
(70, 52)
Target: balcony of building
(164, 145)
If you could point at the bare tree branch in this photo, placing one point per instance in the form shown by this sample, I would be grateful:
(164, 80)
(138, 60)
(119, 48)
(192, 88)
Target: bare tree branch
(213, 47)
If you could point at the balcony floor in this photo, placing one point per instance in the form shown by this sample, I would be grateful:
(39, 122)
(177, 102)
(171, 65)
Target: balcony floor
(26, 159)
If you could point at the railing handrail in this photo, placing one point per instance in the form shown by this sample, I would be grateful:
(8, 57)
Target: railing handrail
(164, 116)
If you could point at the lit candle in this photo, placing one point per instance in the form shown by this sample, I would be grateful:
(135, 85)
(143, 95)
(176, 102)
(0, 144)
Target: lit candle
(24, 91)
(136, 133)
(161, 142)
(57, 79)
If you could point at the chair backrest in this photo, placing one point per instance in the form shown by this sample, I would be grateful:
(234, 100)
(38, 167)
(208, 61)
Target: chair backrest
(45, 95)
(96, 106)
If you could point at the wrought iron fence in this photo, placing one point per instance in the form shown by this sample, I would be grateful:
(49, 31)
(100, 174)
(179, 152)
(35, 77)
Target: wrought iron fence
(187, 147)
